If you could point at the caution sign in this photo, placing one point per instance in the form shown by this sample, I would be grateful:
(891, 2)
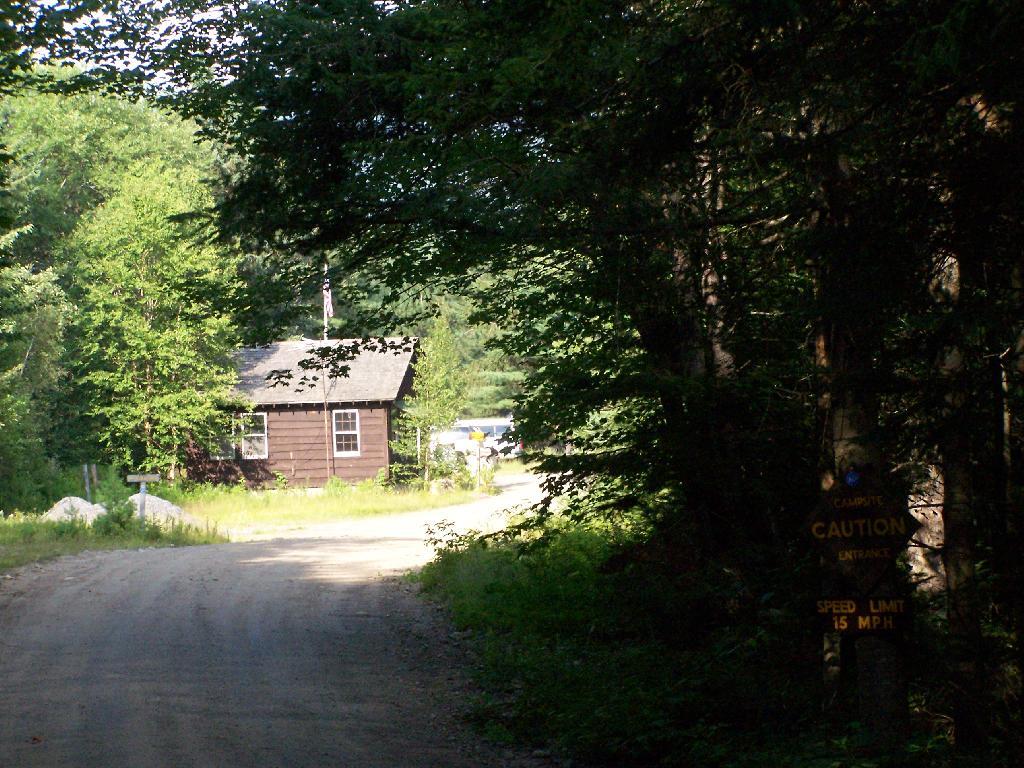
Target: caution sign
(861, 530)
(852, 615)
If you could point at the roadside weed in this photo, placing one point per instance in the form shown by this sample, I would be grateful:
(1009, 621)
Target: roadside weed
(27, 539)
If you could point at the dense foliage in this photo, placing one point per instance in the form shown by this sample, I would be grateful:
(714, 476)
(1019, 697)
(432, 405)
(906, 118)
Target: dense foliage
(440, 386)
(600, 662)
(118, 313)
(154, 332)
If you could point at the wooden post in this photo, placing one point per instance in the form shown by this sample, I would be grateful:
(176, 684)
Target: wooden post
(328, 438)
(85, 478)
(142, 479)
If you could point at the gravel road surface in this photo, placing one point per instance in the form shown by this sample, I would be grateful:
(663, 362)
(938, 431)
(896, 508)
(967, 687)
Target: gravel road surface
(305, 651)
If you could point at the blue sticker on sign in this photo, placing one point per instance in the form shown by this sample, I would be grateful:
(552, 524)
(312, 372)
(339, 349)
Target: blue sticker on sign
(852, 478)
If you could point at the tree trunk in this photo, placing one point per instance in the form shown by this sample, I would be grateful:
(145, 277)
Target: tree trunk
(959, 516)
(1013, 377)
(666, 320)
(881, 668)
(970, 719)
(831, 646)
(849, 337)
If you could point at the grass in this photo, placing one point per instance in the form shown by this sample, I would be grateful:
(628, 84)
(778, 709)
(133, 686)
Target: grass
(516, 466)
(243, 513)
(27, 539)
(637, 666)
(543, 623)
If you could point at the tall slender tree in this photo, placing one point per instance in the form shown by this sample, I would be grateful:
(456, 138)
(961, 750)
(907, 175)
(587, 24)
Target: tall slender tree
(153, 331)
(440, 387)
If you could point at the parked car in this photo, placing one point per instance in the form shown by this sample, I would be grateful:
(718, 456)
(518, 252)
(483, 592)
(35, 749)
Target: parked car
(449, 437)
(494, 443)
(494, 430)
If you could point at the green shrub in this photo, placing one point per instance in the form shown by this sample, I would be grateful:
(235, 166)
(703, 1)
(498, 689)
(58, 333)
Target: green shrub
(368, 485)
(628, 662)
(445, 463)
(70, 529)
(26, 538)
(120, 520)
(111, 490)
(402, 474)
(487, 472)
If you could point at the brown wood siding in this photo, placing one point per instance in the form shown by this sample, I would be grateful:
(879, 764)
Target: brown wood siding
(297, 448)
(297, 445)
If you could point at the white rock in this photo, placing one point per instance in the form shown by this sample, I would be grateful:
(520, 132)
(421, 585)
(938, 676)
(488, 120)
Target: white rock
(71, 507)
(161, 509)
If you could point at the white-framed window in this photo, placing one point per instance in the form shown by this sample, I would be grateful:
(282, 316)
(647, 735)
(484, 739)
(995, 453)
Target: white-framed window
(252, 429)
(346, 433)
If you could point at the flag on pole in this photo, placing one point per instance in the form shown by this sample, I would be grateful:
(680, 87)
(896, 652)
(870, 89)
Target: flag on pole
(328, 302)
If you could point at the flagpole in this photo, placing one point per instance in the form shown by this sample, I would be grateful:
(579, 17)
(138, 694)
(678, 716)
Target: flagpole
(328, 312)
(327, 298)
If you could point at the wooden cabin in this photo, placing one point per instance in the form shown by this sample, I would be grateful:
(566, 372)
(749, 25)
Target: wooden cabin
(286, 432)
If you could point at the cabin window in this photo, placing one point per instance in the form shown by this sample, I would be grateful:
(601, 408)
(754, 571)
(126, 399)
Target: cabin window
(346, 433)
(253, 430)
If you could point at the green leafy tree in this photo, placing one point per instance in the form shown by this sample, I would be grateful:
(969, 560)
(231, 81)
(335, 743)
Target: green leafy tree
(153, 333)
(27, 29)
(33, 307)
(70, 152)
(439, 385)
(33, 312)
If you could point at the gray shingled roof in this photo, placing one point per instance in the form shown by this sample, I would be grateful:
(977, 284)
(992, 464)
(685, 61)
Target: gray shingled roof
(372, 375)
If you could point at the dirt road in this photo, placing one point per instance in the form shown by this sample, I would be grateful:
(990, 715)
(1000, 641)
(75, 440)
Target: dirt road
(303, 651)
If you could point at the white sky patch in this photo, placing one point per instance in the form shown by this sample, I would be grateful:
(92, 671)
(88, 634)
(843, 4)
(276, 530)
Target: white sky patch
(97, 40)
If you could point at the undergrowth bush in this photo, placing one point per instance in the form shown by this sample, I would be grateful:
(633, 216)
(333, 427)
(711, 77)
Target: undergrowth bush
(122, 520)
(27, 538)
(52, 483)
(404, 474)
(335, 487)
(625, 662)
